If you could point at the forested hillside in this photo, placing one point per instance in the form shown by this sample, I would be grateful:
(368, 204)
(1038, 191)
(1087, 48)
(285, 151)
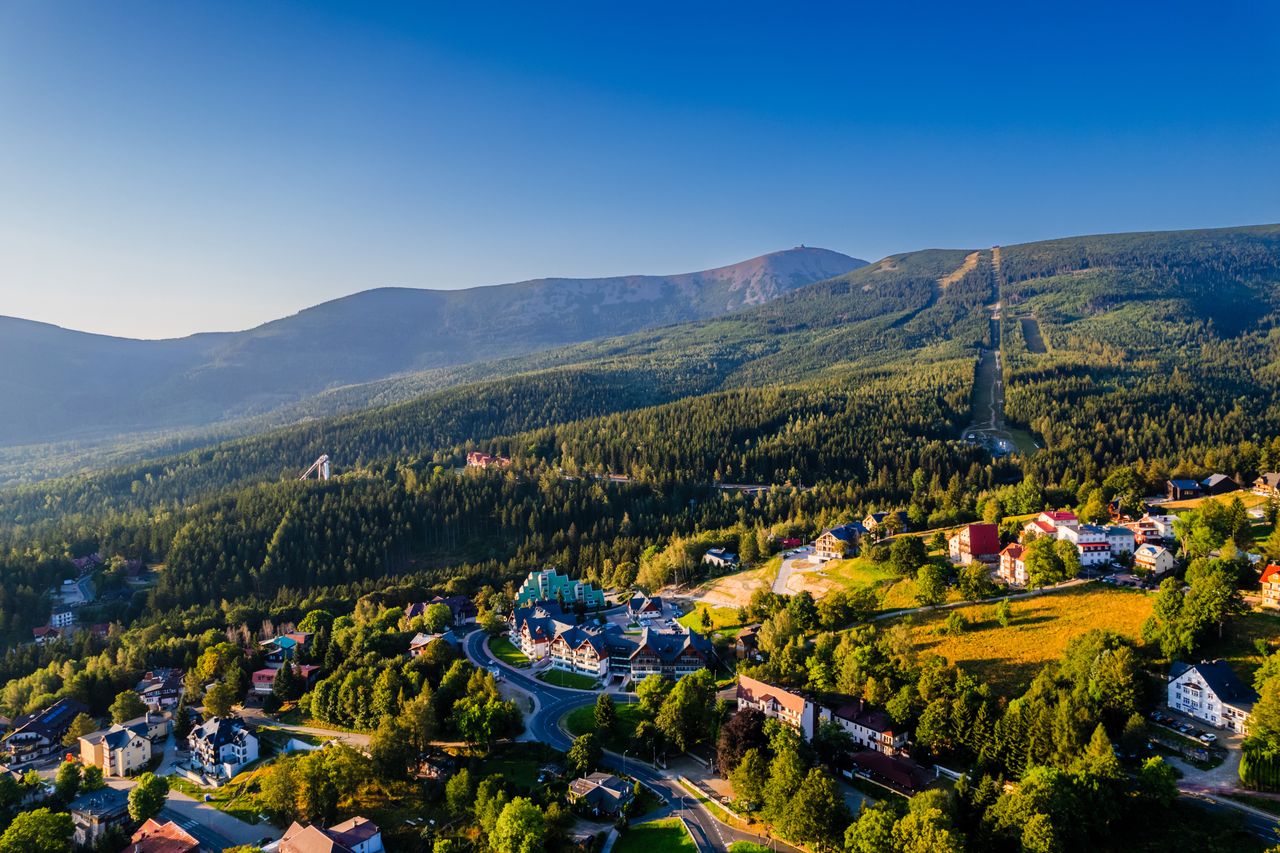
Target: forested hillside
(844, 396)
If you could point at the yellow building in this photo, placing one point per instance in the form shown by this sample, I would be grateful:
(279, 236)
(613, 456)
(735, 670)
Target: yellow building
(119, 750)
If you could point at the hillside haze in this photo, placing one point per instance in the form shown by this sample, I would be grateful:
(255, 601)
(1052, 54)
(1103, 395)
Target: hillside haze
(61, 384)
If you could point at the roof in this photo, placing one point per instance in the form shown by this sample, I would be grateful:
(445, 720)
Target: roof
(983, 538)
(1222, 680)
(52, 721)
(1149, 549)
(1013, 550)
(219, 731)
(102, 802)
(1185, 484)
(1270, 479)
(339, 838)
(751, 690)
(601, 788)
(118, 736)
(1217, 479)
(846, 532)
(868, 716)
(643, 603)
(1058, 515)
(670, 643)
(898, 771)
(1271, 574)
(153, 837)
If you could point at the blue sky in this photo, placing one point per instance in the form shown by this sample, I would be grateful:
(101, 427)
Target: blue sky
(173, 167)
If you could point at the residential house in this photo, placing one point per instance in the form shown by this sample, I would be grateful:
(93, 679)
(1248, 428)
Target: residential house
(790, 706)
(1270, 583)
(1181, 489)
(674, 652)
(357, 835)
(422, 640)
(895, 771)
(644, 607)
(1120, 540)
(161, 689)
(1152, 528)
(1013, 566)
(580, 650)
(155, 837)
(462, 610)
(1152, 558)
(45, 634)
(121, 750)
(550, 585)
(1212, 692)
(282, 648)
(1048, 522)
(62, 617)
(975, 543)
(221, 747)
(1268, 485)
(38, 736)
(95, 814)
(747, 644)
(1219, 484)
(263, 680)
(837, 542)
(532, 628)
(720, 558)
(484, 460)
(1090, 541)
(28, 796)
(898, 521)
(603, 794)
(869, 726)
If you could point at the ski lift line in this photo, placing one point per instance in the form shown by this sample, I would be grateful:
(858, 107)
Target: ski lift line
(320, 468)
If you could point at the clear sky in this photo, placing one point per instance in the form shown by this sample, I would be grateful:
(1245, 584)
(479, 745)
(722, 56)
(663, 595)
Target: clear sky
(171, 167)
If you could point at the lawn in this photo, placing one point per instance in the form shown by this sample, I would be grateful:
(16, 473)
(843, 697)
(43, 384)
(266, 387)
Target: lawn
(1041, 629)
(560, 678)
(667, 836)
(902, 595)
(1238, 645)
(723, 619)
(748, 847)
(238, 798)
(505, 651)
(1247, 497)
(859, 571)
(579, 721)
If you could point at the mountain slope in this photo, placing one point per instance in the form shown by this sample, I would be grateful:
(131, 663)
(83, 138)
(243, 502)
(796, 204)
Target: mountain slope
(64, 384)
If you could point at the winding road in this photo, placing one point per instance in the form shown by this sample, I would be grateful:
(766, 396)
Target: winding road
(543, 725)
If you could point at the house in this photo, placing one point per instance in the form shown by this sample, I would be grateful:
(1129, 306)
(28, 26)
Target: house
(532, 628)
(121, 750)
(603, 794)
(39, 736)
(45, 634)
(747, 644)
(580, 650)
(1181, 490)
(155, 837)
(897, 521)
(1013, 568)
(28, 796)
(1270, 582)
(161, 689)
(263, 680)
(643, 607)
(1212, 692)
(463, 611)
(550, 585)
(1090, 541)
(720, 558)
(62, 617)
(422, 640)
(1120, 540)
(95, 814)
(789, 706)
(1048, 522)
(975, 542)
(839, 541)
(673, 652)
(221, 747)
(484, 460)
(869, 726)
(1152, 528)
(1219, 484)
(357, 835)
(790, 542)
(1268, 485)
(895, 771)
(283, 648)
(1155, 559)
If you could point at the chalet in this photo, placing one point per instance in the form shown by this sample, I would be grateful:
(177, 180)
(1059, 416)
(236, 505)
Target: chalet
(895, 771)
(1268, 485)
(674, 652)
(422, 640)
(1013, 568)
(839, 541)
(1048, 522)
(789, 706)
(1181, 490)
(39, 736)
(868, 726)
(1120, 540)
(532, 628)
(161, 689)
(1090, 541)
(747, 644)
(121, 750)
(1154, 559)
(45, 634)
(484, 460)
(1219, 484)
(221, 747)
(1212, 692)
(1270, 583)
(550, 585)
(643, 607)
(283, 648)
(97, 813)
(582, 651)
(358, 835)
(720, 558)
(891, 521)
(603, 794)
(463, 609)
(155, 837)
(975, 543)
(1152, 528)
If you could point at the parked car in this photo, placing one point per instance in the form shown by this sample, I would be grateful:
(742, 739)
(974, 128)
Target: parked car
(1208, 737)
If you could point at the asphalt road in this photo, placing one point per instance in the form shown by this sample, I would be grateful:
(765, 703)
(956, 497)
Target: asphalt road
(544, 726)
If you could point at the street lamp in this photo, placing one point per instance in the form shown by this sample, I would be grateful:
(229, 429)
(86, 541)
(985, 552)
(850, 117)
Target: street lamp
(624, 762)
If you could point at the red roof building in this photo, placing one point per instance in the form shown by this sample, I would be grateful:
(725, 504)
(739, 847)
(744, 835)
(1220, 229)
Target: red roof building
(975, 542)
(153, 837)
(1271, 585)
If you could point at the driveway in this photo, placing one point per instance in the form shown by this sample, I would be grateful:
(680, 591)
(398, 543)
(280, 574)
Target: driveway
(801, 560)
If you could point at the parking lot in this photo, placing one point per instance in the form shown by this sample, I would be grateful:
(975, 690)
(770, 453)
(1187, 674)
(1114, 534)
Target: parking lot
(1225, 744)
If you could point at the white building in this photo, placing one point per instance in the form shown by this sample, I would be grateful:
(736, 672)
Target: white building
(793, 708)
(1210, 691)
(222, 746)
(1090, 541)
(1120, 539)
(1155, 559)
(868, 726)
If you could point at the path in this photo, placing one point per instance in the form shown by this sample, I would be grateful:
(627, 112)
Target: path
(256, 717)
(789, 565)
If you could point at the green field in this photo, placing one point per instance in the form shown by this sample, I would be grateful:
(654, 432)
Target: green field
(560, 678)
(505, 651)
(723, 619)
(748, 847)
(579, 721)
(659, 836)
(238, 798)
